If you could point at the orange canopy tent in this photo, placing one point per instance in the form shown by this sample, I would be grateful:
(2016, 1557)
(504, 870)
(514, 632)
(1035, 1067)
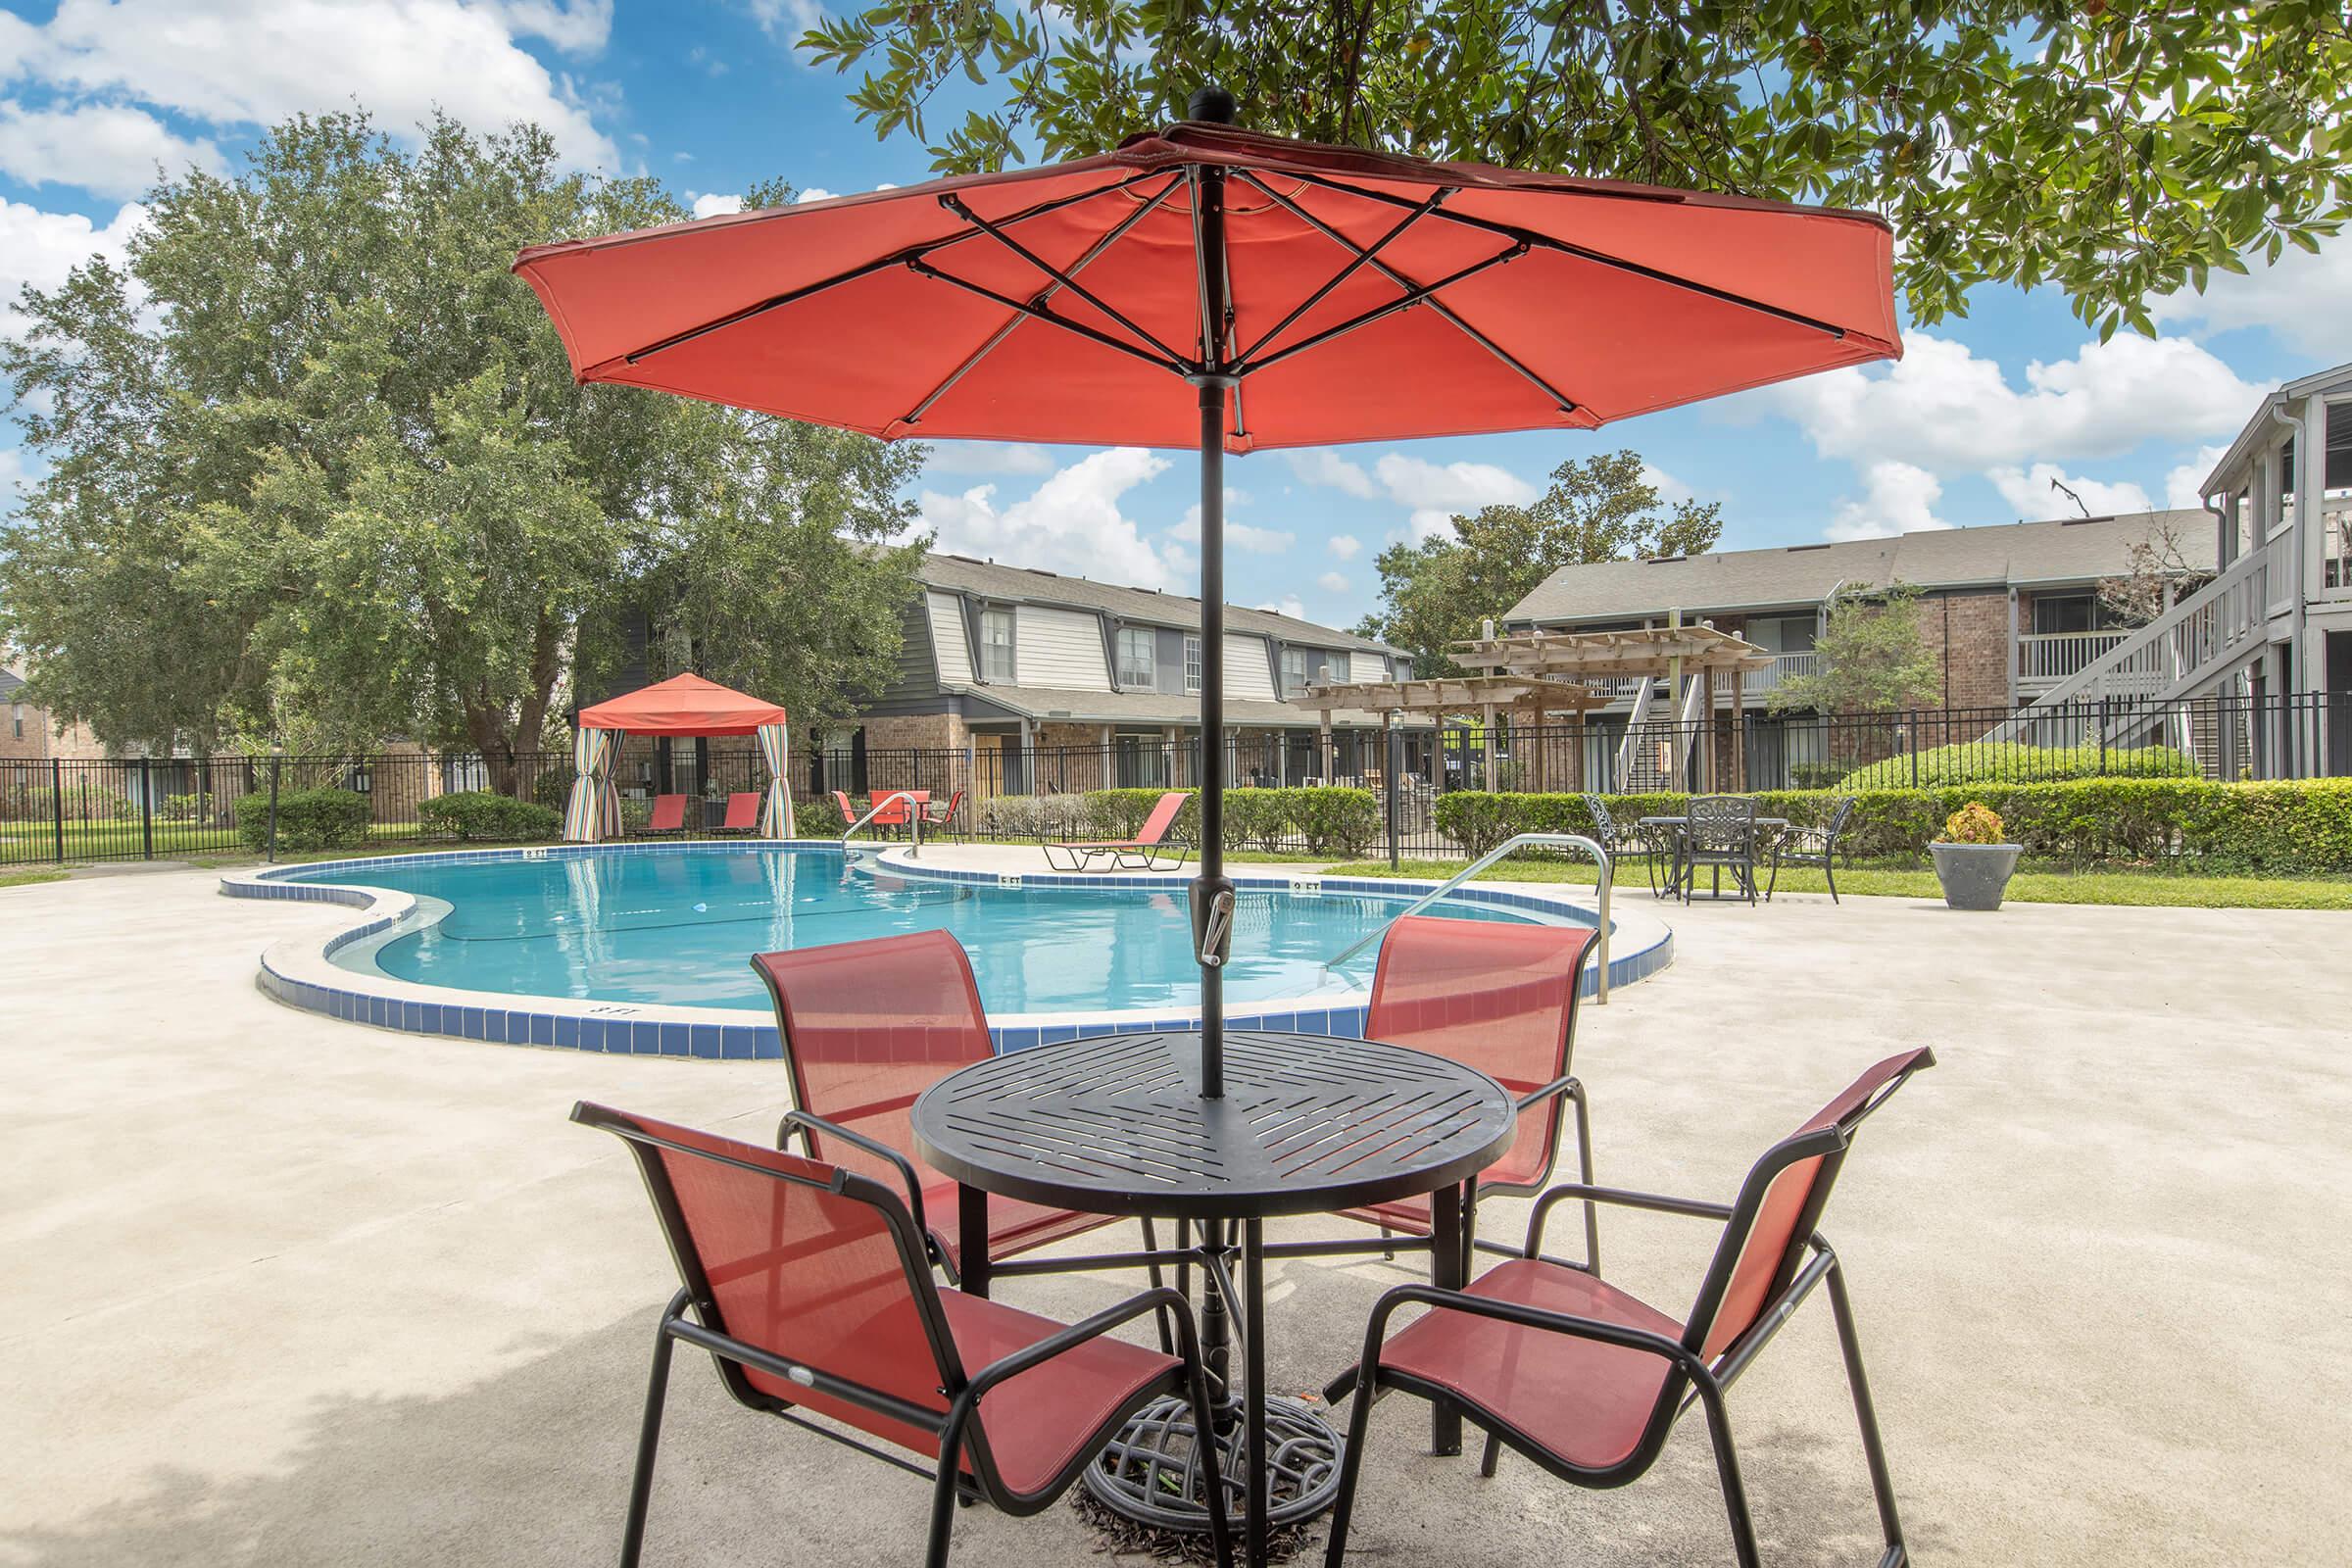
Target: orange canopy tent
(683, 705)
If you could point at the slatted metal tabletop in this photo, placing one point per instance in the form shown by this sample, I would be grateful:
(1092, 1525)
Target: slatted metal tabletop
(1308, 1124)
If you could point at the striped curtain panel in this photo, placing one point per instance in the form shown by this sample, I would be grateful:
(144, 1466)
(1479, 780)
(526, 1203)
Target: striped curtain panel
(775, 817)
(594, 810)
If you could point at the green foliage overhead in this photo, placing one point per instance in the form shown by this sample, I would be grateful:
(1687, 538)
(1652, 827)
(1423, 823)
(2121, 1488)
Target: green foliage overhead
(1601, 508)
(1995, 761)
(1868, 658)
(317, 472)
(2116, 148)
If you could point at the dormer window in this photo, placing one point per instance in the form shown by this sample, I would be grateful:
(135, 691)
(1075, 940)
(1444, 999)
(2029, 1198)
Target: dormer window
(996, 646)
(1138, 658)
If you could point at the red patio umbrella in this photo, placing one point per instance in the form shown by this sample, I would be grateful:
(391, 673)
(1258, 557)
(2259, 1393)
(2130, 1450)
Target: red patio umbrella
(1208, 285)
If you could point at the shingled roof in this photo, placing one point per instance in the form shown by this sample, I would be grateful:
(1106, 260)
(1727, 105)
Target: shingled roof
(987, 580)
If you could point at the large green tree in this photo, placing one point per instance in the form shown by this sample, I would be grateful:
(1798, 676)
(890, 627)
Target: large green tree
(316, 470)
(1601, 508)
(1871, 658)
(2118, 148)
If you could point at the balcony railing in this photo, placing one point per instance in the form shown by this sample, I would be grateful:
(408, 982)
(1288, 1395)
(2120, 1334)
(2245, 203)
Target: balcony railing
(1782, 667)
(2044, 659)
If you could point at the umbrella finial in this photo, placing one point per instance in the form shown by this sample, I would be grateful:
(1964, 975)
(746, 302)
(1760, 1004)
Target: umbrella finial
(1212, 103)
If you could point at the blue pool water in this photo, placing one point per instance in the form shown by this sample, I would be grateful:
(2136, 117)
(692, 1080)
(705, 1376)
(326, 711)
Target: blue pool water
(680, 929)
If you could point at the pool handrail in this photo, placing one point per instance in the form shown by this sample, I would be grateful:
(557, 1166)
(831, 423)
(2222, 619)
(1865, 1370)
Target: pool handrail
(882, 803)
(1576, 840)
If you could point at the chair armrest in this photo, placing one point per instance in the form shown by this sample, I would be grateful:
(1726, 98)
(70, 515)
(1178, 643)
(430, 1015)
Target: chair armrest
(1692, 1207)
(1536, 1096)
(1527, 1317)
(801, 1122)
(1164, 1298)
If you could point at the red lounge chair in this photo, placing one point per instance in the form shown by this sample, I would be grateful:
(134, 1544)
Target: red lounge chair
(808, 1286)
(743, 813)
(1588, 1380)
(669, 814)
(943, 816)
(848, 813)
(1140, 852)
(1500, 996)
(866, 1027)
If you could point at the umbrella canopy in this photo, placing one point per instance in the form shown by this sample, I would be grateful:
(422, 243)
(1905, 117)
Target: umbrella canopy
(683, 705)
(1206, 284)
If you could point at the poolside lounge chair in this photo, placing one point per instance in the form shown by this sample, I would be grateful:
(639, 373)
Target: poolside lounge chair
(1141, 853)
(936, 815)
(808, 1286)
(1500, 998)
(743, 813)
(669, 814)
(866, 1027)
(1588, 1380)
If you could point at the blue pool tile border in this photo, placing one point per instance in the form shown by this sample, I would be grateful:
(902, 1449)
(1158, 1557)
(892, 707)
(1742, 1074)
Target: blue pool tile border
(611, 1029)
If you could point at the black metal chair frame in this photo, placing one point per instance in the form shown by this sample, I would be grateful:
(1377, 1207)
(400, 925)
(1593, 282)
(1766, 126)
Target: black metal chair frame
(1693, 1379)
(1628, 843)
(1726, 841)
(693, 1316)
(1812, 846)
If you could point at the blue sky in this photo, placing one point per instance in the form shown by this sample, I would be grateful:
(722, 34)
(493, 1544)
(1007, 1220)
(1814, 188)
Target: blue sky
(707, 97)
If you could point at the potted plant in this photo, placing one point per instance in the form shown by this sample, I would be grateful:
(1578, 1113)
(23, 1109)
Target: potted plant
(1972, 860)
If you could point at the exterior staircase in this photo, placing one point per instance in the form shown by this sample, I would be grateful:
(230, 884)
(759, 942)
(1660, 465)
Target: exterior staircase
(1654, 756)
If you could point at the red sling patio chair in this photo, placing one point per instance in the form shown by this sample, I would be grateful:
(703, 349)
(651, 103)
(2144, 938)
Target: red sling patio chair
(1587, 1380)
(809, 1286)
(669, 815)
(1139, 854)
(1501, 997)
(866, 1027)
(743, 813)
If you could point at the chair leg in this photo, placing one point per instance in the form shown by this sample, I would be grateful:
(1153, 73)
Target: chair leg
(1388, 1253)
(1167, 1343)
(1577, 1097)
(1196, 1388)
(1727, 1470)
(1881, 1485)
(1829, 868)
(944, 1491)
(1773, 884)
(1351, 1465)
(649, 1439)
(1491, 1454)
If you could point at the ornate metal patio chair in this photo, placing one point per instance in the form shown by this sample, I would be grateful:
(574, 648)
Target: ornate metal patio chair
(809, 1286)
(866, 1027)
(1500, 998)
(1587, 1380)
(1812, 846)
(1719, 835)
(1630, 841)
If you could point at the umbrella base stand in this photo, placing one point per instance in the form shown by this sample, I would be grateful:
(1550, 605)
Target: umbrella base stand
(1150, 1474)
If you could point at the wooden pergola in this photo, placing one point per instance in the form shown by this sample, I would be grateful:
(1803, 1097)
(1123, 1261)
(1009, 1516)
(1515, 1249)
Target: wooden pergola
(1675, 652)
(1527, 698)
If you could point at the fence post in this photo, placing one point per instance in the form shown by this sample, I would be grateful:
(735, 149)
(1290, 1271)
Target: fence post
(147, 809)
(277, 765)
(57, 804)
(2102, 737)
(1396, 765)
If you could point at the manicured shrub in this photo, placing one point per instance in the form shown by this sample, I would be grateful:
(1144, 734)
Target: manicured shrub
(1335, 822)
(486, 817)
(307, 819)
(2009, 763)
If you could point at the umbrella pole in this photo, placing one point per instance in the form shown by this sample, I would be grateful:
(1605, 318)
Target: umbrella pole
(1213, 893)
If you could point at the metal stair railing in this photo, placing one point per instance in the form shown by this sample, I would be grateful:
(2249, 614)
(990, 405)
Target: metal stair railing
(914, 821)
(1631, 746)
(1577, 841)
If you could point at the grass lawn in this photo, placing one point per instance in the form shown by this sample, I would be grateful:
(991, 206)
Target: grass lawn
(21, 879)
(2047, 885)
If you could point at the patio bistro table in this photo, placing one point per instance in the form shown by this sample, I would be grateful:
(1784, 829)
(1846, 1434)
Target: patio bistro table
(1308, 1125)
(1679, 823)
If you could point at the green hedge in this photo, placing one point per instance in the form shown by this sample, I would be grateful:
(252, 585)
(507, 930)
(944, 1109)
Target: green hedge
(1993, 762)
(2298, 827)
(1339, 822)
(486, 815)
(307, 819)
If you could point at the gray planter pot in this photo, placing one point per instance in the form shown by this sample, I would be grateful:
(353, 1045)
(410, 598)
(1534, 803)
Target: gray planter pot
(1974, 876)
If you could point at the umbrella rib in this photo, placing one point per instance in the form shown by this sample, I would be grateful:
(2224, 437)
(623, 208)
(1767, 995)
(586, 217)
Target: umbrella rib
(904, 255)
(1361, 257)
(1039, 312)
(1511, 362)
(1067, 281)
(1407, 301)
(997, 339)
(1586, 252)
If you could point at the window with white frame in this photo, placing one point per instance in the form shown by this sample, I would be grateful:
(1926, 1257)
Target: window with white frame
(1293, 671)
(995, 645)
(1192, 663)
(1138, 653)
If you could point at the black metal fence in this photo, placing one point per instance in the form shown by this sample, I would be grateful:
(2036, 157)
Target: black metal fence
(89, 809)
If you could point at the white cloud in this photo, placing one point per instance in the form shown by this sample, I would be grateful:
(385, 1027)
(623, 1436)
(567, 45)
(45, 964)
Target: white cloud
(2033, 493)
(1238, 535)
(786, 19)
(814, 193)
(40, 248)
(990, 457)
(1289, 604)
(1071, 524)
(1324, 466)
(107, 148)
(2181, 484)
(1670, 489)
(2289, 296)
(1901, 499)
(1332, 582)
(1430, 522)
(12, 477)
(1343, 545)
(710, 204)
(1451, 486)
(258, 62)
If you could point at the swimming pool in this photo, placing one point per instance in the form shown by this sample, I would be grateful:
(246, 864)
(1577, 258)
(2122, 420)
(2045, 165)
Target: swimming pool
(680, 929)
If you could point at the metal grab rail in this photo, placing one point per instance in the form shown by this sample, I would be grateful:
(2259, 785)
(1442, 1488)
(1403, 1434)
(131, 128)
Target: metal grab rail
(1566, 841)
(914, 821)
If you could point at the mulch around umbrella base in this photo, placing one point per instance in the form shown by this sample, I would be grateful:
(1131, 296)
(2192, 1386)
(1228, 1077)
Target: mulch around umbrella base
(1117, 1536)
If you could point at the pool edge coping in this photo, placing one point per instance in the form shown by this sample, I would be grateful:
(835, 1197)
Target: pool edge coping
(301, 972)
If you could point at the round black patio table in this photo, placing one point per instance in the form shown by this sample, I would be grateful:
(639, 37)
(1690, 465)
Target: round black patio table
(1308, 1124)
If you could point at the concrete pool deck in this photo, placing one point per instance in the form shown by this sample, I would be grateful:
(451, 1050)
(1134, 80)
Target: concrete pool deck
(289, 1291)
